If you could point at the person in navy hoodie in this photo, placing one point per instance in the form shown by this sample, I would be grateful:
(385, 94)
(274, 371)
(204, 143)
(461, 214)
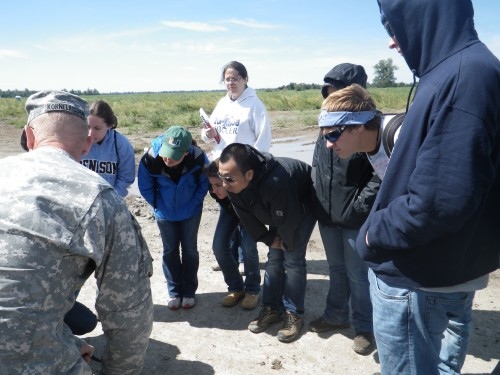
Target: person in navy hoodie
(170, 179)
(432, 236)
(111, 155)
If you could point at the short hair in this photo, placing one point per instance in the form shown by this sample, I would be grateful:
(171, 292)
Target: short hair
(243, 155)
(103, 110)
(63, 127)
(212, 169)
(236, 65)
(353, 98)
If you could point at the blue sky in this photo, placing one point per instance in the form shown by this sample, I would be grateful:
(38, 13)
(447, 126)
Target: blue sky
(182, 45)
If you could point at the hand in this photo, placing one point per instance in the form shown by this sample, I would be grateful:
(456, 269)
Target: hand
(86, 351)
(210, 133)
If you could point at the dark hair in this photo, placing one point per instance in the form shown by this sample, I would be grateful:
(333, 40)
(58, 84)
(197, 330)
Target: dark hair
(103, 110)
(239, 67)
(212, 169)
(243, 155)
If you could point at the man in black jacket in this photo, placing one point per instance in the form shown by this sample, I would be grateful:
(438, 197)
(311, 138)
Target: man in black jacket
(346, 190)
(275, 192)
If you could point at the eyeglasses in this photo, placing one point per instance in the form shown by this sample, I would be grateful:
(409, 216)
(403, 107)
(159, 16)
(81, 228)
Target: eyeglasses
(232, 79)
(389, 30)
(229, 180)
(334, 135)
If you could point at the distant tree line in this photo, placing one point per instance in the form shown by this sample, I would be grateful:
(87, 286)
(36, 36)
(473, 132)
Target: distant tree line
(384, 77)
(300, 86)
(25, 93)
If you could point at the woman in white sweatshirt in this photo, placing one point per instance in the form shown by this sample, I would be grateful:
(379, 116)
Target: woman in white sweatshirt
(240, 117)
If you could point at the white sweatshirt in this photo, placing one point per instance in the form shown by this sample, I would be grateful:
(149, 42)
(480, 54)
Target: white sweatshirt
(243, 120)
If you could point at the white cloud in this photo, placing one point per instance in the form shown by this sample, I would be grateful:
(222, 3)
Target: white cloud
(252, 24)
(9, 53)
(193, 26)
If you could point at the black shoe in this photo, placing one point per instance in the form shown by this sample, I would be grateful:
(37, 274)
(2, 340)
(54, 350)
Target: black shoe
(267, 316)
(291, 327)
(364, 343)
(320, 325)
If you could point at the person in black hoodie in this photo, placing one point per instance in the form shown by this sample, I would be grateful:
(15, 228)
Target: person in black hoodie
(276, 192)
(432, 237)
(346, 190)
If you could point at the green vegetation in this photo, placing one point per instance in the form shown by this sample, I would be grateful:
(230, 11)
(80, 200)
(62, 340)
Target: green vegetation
(149, 112)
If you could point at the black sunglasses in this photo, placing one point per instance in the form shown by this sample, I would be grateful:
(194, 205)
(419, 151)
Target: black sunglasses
(389, 30)
(227, 179)
(334, 135)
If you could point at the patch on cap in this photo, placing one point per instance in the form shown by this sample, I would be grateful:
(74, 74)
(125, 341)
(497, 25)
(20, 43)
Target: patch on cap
(55, 101)
(176, 141)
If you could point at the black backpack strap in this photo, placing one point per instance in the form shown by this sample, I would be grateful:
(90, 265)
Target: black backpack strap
(390, 130)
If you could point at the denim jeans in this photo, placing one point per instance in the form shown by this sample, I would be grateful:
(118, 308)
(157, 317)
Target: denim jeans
(420, 332)
(286, 272)
(348, 280)
(181, 271)
(226, 227)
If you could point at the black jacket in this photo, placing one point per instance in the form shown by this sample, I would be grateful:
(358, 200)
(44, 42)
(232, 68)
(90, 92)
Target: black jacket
(346, 188)
(278, 195)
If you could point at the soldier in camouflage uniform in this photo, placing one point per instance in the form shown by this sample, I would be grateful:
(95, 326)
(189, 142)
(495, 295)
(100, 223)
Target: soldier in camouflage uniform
(59, 223)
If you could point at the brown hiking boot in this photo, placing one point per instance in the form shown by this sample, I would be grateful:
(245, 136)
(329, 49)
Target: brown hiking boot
(233, 298)
(267, 316)
(250, 302)
(364, 343)
(291, 327)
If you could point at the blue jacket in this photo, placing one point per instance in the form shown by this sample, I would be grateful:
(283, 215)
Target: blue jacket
(436, 219)
(114, 160)
(170, 200)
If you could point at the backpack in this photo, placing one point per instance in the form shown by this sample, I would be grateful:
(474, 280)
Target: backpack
(391, 125)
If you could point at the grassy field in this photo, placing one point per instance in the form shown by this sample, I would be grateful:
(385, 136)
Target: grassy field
(136, 112)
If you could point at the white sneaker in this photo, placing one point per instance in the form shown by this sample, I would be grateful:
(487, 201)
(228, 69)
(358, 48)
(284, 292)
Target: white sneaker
(188, 303)
(241, 268)
(174, 303)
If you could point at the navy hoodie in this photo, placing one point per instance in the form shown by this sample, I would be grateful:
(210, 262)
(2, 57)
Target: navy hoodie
(436, 218)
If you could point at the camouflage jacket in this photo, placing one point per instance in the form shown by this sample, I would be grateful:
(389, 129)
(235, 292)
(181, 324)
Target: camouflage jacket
(59, 223)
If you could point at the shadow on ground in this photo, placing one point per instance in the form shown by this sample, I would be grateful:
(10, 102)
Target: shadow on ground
(160, 359)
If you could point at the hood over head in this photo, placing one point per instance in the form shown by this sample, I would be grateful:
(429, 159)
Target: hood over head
(429, 31)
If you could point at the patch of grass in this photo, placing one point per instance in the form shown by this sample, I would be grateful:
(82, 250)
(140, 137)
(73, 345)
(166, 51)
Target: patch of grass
(156, 112)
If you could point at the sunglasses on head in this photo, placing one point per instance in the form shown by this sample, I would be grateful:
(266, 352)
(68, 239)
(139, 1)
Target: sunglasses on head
(227, 179)
(334, 135)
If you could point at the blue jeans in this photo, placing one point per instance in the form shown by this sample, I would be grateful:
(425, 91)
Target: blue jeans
(348, 280)
(420, 332)
(286, 272)
(224, 235)
(236, 248)
(181, 272)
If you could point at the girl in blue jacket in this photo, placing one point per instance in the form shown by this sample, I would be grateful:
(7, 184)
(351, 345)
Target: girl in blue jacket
(170, 178)
(111, 155)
